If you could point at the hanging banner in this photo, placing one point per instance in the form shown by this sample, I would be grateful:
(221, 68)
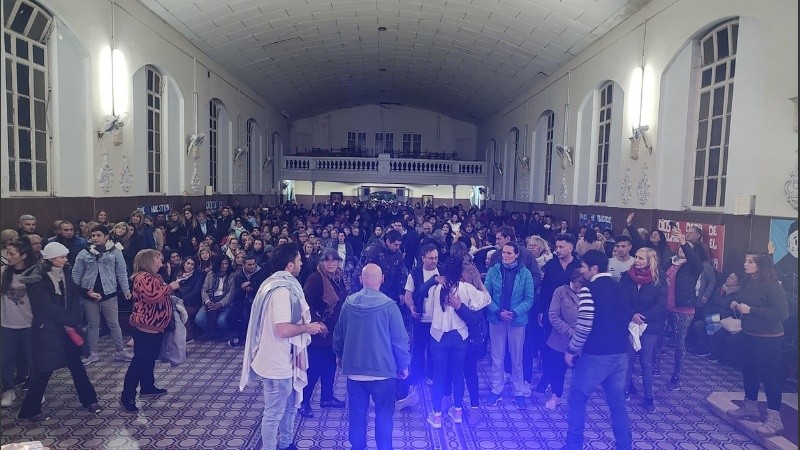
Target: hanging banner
(592, 220)
(783, 246)
(713, 235)
(213, 205)
(152, 210)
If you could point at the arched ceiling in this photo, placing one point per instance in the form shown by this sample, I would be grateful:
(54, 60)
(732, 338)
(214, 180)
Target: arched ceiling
(463, 58)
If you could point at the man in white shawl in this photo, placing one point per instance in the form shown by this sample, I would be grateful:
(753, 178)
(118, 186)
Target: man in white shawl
(275, 353)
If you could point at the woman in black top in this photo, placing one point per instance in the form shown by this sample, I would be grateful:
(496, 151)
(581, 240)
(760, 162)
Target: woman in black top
(647, 294)
(325, 291)
(56, 305)
(763, 308)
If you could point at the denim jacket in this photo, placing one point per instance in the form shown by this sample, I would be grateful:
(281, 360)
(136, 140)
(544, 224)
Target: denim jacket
(111, 264)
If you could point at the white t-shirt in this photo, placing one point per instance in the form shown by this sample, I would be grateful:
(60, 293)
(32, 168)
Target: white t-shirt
(449, 320)
(616, 267)
(273, 359)
(426, 275)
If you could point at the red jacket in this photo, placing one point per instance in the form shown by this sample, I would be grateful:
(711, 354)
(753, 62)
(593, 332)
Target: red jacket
(152, 307)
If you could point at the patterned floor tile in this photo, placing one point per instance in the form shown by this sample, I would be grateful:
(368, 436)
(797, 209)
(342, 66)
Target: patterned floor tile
(205, 410)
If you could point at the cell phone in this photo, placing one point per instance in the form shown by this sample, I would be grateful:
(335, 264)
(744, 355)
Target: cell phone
(673, 224)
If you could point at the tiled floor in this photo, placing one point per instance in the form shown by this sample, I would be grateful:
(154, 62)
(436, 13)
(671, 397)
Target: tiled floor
(205, 410)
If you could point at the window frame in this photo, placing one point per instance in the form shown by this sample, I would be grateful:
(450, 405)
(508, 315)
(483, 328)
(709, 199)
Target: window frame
(549, 142)
(40, 158)
(213, 144)
(707, 117)
(603, 147)
(250, 127)
(154, 143)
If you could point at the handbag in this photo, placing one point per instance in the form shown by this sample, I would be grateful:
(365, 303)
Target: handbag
(732, 324)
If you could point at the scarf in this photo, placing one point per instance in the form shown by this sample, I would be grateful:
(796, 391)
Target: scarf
(301, 314)
(56, 275)
(640, 276)
(329, 294)
(98, 250)
(725, 289)
(542, 259)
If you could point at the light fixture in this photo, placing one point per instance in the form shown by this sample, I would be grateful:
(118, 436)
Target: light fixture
(381, 28)
(239, 152)
(112, 125)
(382, 69)
(193, 142)
(638, 135)
(565, 153)
(638, 128)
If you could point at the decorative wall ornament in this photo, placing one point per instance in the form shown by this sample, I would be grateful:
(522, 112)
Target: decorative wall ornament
(195, 180)
(563, 187)
(643, 188)
(126, 177)
(625, 190)
(790, 188)
(106, 175)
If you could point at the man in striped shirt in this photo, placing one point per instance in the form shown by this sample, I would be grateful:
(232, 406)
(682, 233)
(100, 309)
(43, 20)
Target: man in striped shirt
(598, 351)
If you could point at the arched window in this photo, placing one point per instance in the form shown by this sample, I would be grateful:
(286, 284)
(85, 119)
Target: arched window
(213, 145)
(545, 140)
(26, 33)
(603, 142)
(250, 139)
(153, 91)
(716, 72)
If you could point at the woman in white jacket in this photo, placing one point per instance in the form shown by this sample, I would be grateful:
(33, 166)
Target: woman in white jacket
(450, 335)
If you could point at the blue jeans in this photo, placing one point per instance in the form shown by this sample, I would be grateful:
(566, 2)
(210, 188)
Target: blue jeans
(277, 422)
(16, 355)
(589, 372)
(645, 360)
(448, 355)
(110, 310)
(201, 319)
(382, 392)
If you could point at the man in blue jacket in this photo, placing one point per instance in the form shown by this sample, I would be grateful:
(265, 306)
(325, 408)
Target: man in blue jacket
(511, 286)
(371, 346)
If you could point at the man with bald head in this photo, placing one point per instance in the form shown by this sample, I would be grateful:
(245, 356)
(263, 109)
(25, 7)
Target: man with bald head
(371, 346)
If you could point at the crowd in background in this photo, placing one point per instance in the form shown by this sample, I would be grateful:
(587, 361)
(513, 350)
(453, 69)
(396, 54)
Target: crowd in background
(469, 282)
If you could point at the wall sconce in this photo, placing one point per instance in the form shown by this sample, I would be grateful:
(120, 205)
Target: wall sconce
(565, 153)
(639, 135)
(112, 125)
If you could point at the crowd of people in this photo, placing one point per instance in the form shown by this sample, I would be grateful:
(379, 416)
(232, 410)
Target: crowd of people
(397, 297)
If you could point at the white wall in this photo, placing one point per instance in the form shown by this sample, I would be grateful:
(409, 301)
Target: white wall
(81, 79)
(454, 135)
(762, 141)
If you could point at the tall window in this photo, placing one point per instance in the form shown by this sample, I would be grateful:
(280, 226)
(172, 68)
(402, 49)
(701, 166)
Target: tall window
(153, 91)
(213, 144)
(412, 142)
(548, 154)
(384, 142)
(718, 66)
(603, 143)
(251, 126)
(356, 139)
(26, 32)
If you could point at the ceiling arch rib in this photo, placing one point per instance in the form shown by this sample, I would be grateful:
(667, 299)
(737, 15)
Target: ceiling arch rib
(466, 59)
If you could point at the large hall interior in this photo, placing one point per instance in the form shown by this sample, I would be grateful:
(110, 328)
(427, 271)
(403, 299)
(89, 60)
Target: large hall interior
(585, 111)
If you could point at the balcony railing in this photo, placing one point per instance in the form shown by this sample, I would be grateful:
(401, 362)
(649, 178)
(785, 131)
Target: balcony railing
(383, 168)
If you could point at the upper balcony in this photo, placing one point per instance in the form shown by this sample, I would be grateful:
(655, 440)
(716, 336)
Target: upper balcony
(383, 168)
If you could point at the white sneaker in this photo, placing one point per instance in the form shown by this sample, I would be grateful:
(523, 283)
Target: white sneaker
(92, 358)
(553, 402)
(411, 399)
(527, 391)
(8, 399)
(122, 355)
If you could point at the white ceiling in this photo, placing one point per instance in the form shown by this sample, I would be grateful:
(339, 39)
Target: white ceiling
(463, 58)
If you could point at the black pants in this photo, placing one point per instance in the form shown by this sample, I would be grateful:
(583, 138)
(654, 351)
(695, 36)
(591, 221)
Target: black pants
(761, 362)
(554, 369)
(321, 365)
(532, 346)
(244, 308)
(146, 348)
(37, 383)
